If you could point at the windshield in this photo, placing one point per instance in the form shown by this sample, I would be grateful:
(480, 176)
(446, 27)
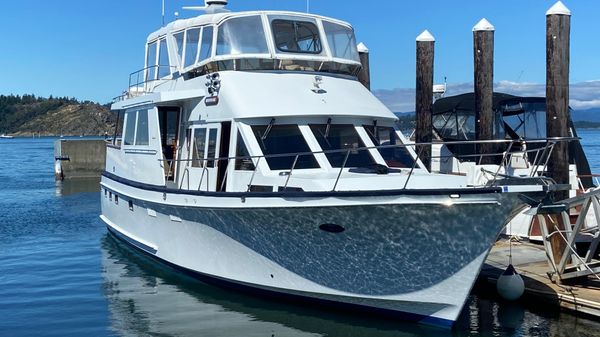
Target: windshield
(293, 36)
(394, 156)
(284, 139)
(243, 35)
(341, 41)
(342, 137)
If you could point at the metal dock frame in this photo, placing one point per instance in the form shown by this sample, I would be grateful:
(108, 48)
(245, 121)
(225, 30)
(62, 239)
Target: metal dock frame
(560, 235)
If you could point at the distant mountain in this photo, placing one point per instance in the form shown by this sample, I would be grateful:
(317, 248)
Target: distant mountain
(588, 115)
(26, 115)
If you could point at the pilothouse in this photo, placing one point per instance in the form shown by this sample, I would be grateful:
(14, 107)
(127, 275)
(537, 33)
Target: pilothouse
(252, 157)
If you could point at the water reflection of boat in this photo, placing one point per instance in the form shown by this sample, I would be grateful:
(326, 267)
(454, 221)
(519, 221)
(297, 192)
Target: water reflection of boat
(146, 298)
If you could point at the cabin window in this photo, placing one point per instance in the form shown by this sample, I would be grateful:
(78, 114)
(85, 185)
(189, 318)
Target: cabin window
(212, 148)
(141, 134)
(164, 68)
(191, 46)
(151, 62)
(343, 137)
(293, 36)
(243, 161)
(284, 139)
(398, 156)
(207, 42)
(130, 128)
(342, 42)
(243, 35)
(179, 44)
(198, 148)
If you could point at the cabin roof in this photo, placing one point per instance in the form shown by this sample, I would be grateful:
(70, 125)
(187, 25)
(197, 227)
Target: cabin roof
(216, 18)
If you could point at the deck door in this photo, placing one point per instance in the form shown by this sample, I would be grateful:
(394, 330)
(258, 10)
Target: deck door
(203, 166)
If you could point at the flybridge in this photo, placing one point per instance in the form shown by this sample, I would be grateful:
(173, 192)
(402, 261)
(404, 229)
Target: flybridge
(221, 40)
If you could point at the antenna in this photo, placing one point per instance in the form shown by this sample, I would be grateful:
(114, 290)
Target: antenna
(307, 6)
(163, 13)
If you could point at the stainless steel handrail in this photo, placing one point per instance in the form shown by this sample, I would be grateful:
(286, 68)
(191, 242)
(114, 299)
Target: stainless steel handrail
(142, 80)
(546, 152)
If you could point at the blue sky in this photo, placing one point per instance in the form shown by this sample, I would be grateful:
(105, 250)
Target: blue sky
(87, 49)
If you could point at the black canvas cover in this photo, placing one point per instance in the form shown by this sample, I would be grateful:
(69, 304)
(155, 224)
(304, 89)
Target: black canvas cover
(508, 108)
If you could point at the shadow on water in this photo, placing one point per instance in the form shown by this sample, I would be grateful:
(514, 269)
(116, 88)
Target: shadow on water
(77, 185)
(146, 297)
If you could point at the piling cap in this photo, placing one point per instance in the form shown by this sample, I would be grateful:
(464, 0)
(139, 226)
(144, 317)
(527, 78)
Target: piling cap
(362, 48)
(558, 9)
(483, 25)
(425, 37)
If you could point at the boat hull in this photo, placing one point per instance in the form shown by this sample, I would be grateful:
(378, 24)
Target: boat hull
(415, 257)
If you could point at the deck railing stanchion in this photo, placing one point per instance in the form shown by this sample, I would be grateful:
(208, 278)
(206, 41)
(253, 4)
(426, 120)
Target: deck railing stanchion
(221, 188)
(290, 173)
(412, 168)
(341, 169)
(253, 174)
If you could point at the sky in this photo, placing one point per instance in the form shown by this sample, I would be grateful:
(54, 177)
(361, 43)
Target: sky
(87, 49)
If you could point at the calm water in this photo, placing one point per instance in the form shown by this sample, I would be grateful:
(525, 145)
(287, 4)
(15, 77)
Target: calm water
(62, 275)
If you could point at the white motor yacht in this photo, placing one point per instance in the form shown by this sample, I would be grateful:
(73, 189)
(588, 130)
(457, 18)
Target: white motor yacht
(253, 158)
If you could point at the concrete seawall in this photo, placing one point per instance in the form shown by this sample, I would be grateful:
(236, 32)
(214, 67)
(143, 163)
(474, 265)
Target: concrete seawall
(83, 158)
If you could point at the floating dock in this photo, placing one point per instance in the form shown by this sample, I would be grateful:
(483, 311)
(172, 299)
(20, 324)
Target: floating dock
(531, 263)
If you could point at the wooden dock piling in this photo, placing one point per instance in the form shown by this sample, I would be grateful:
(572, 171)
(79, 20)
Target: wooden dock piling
(424, 96)
(483, 57)
(364, 76)
(558, 26)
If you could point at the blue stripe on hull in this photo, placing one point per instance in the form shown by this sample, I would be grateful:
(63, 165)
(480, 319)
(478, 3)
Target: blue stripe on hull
(225, 283)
